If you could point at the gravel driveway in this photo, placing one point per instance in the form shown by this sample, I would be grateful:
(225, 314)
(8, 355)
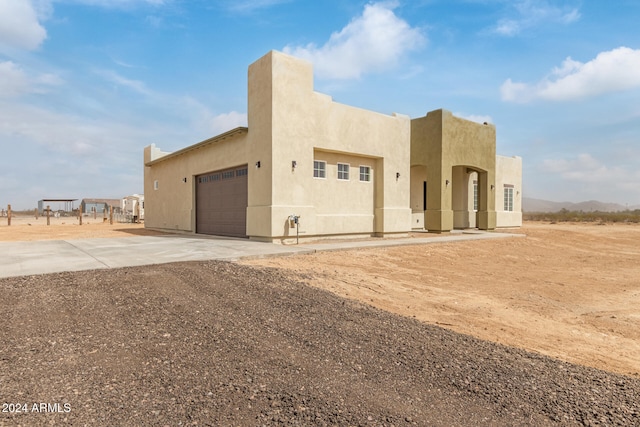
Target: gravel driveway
(221, 344)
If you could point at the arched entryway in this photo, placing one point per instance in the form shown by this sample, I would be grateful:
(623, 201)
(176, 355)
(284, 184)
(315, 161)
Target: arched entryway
(468, 196)
(454, 152)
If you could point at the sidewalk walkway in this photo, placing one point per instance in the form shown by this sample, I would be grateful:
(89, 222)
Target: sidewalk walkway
(53, 256)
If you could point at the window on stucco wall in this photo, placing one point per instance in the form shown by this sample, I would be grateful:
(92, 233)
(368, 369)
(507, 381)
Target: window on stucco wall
(508, 198)
(319, 169)
(343, 171)
(365, 173)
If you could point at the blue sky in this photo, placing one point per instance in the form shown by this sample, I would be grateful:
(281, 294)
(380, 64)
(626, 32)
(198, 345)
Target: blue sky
(85, 85)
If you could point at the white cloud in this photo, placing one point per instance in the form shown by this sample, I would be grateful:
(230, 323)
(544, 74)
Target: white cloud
(21, 20)
(19, 25)
(516, 92)
(47, 79)
(94, 153)
(586, 177)
(122, 63)
(374, 41)
(508, 27)
(586, 169)
(571, 16)
(612, 71)
(227, 121)
(58, 132)
(135, 85)
(201, 121)
(14, 81)
(70, 155)
(583, 161)
(531, 13)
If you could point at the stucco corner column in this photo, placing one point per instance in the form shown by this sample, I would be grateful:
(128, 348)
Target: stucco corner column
(487, 220)
(439, 221)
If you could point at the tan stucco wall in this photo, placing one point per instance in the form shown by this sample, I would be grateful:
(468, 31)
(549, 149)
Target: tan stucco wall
(443, 142)
(304, 123)
(172, 205)
(509, 172)
(260, 148)
(418, 177)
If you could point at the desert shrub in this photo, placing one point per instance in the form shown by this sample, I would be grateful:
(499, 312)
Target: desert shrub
(565, 215)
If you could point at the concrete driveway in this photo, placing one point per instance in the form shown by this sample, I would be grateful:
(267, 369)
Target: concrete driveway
(53, 256)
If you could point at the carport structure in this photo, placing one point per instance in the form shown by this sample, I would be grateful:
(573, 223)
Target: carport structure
(67, 203)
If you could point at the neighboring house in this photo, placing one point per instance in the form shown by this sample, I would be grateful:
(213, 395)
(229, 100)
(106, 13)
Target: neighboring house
(133, 205)
(99, 206)
(344, 171)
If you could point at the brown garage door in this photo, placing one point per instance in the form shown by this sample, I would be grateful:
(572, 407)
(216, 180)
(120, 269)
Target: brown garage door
(221, 202)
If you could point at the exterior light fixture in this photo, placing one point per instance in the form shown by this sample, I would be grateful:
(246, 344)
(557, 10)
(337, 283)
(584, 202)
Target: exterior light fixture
(446, 182)
(184, 179)
(493, 186)
(293, 164)
(258, 164)
(397, 175)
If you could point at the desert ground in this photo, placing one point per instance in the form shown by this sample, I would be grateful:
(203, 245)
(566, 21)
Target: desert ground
(570, 291)
(28, 228)
(535, 330)
(566, 290)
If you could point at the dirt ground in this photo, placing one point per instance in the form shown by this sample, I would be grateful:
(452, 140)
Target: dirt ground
(213, 343)
(219, 343)
(28, 228)
(570, 291)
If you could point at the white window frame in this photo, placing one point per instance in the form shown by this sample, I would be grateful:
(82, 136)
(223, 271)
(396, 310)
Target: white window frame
(343, 172)
(508, 198)
(475, 195)
(367, 173)
(319, 170)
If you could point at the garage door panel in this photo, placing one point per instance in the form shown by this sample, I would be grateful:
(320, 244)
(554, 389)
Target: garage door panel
(221, 202)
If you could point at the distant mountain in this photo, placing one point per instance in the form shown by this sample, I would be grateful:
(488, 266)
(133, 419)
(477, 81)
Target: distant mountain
(538, 205)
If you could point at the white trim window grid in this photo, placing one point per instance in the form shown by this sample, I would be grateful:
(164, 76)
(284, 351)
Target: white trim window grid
(319, 169)
(343, 171)
(508, 198)
(365, 174)
(475, 195)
